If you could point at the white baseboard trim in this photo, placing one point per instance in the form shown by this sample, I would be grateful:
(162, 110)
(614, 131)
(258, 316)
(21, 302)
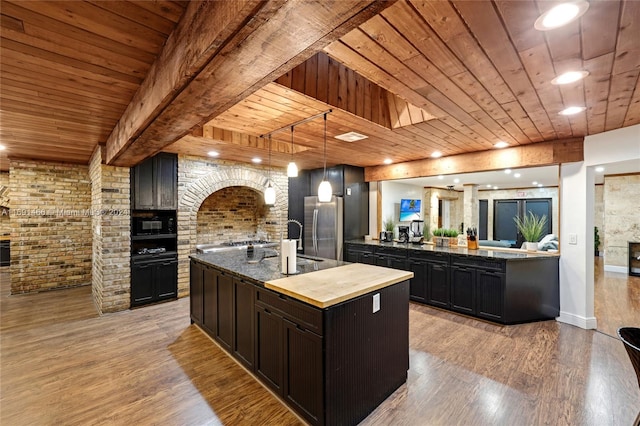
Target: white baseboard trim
(613, 268)
(578, 321)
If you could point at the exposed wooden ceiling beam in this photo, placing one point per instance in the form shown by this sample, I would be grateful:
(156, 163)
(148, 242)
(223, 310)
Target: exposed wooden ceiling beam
(531, 155)
(220, 53)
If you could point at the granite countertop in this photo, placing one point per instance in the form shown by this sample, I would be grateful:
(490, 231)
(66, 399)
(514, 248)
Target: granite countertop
(321, 283)
(486, 252)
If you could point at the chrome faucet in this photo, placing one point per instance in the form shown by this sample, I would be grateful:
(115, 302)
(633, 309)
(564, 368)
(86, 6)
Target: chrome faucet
(300, 236)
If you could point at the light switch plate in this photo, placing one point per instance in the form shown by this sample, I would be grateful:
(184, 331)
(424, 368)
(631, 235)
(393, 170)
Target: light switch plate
(348, 191)
(573, 239)
(376, 302)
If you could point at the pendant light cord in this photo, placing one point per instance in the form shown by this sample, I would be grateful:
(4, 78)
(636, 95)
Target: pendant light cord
(292, 142)
(324, 175)
(269, 158)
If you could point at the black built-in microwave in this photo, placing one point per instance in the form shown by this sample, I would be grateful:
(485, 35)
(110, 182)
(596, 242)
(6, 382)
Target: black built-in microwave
(154, 225)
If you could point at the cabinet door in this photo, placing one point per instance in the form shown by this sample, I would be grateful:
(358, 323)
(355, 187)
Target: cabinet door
(195, 291)
(438, 286)
(303, 371)
(210, 300)
(143, 186)
(381, 260)
(166, 279)
(398, 263)
(141, 284)
(490, 295)
(463, 290)
(224, 310)
(368, 258)
(418, 284)
(166, 175)
(268, 359)
(243, 311)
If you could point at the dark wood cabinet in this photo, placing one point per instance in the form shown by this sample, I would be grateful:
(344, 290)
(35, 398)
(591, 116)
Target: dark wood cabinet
(418, 284)
(154, 280)
(210, 300)
(490, 295)
(463, 290)
(439, 285)
(224, 310)
(268, 361)
(154, 183)
(196, 295)
(359, 254)
(391, 258)
(243, 321)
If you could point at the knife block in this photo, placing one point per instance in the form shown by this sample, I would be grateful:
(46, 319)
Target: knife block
(472, 244)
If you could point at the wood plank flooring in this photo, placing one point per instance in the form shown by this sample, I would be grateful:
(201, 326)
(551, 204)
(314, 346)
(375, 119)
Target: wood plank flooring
(617, 299)
(61, 363)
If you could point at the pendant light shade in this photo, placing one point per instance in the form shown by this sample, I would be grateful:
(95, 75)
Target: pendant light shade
(270, 195)
(270, 192)
(292, 168)
(324, 189)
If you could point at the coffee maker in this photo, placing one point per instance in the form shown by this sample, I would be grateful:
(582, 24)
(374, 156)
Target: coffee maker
(417, 231)
(403, 234)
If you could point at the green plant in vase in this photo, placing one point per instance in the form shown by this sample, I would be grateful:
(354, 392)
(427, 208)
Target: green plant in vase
(596, 241)
(453, 236)
(531, 226)
(389, 226)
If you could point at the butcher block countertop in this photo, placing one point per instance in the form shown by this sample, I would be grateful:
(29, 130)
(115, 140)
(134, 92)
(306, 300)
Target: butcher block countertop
(331, 286)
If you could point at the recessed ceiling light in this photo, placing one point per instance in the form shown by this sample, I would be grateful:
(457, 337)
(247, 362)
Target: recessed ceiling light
(495, 187)
(489, 185)
(561, 15)
(572, 110)
(213, 153)
(600, 169)
(570, 77)
(2, 147)
(388, 161)
(535, 182)
(436, 154)
(456, 180)
(501, 144)
(257, 160)
(517, 175)
(507, 171)
(351, 137)
(540, 185)
(440, 177)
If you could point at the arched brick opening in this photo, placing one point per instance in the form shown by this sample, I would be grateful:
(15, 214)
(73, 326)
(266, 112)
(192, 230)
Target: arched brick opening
(198, 190)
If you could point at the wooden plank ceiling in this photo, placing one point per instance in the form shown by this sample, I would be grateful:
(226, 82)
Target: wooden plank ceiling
(419, 76)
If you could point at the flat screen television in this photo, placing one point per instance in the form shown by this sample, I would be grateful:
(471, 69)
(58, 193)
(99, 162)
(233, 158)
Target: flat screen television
(409, 210)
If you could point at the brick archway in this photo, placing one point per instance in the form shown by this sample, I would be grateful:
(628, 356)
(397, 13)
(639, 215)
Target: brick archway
(194, 194)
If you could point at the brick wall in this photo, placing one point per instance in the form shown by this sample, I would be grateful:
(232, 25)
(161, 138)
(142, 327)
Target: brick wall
(235, 213)
(50, 225)
(111, 224)
(5, 225)
(198, 178)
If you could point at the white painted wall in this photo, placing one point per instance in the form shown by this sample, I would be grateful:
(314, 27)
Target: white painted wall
(392, 193)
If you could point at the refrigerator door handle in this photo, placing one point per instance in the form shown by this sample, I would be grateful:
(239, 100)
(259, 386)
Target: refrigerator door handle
(314, 231)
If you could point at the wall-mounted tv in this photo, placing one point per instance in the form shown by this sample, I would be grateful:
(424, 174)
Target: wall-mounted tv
(409, 210)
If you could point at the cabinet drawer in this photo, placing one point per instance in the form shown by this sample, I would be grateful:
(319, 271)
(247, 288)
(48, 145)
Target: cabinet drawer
(362, 248)
(391, 251)
(479, 262)
(305, 316)
(430, 256)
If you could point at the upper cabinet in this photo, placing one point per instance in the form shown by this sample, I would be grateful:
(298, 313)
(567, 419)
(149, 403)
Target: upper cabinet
(154, 183)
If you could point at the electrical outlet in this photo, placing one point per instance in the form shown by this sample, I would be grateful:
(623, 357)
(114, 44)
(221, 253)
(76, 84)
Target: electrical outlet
(573, 239)
(376, 302)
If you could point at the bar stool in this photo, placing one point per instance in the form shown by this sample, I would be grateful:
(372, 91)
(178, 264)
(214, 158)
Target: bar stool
(630, 336)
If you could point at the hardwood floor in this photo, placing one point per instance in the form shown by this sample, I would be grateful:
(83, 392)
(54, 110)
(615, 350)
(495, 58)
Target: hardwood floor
(617, 299)
(63, 364)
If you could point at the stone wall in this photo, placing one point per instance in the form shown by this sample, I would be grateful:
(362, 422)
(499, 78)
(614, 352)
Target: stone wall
(235, 213)
(50, 225)
(621, 217)
(598, 216)
(111, 232)
(198, 178)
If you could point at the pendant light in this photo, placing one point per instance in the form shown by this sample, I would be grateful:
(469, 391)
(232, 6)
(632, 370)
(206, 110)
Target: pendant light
(324, 190)
(270, 192)
(292, 168)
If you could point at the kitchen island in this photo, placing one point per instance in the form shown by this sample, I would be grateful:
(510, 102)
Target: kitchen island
(505, 286)
(332, 341)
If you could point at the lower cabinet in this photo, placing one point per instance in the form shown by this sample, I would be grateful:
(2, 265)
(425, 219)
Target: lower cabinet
(196, 271)
(478, 291)
(491, 294)
(243, 322)
(463, 290)
(439, 285)
(359, 254)
(153, 280)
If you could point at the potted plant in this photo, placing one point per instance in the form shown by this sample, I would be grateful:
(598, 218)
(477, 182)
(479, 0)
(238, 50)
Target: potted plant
(596, 241)
(531, 227)
(389, 226)
(453, 237)
(437, 234)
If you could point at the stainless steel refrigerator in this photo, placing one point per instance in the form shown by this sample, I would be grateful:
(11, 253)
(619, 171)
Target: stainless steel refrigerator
(323, 227)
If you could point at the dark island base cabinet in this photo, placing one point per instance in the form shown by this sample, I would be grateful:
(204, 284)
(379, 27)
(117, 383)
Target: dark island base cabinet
(507, 291)
(299, 350)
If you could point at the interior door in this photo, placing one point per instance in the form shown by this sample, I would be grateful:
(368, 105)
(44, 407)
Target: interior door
(504, 227)
(483, 220)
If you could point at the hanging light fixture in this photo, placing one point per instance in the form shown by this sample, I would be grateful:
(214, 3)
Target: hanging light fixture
(292, 168)
(324, 190)
(270, 192)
